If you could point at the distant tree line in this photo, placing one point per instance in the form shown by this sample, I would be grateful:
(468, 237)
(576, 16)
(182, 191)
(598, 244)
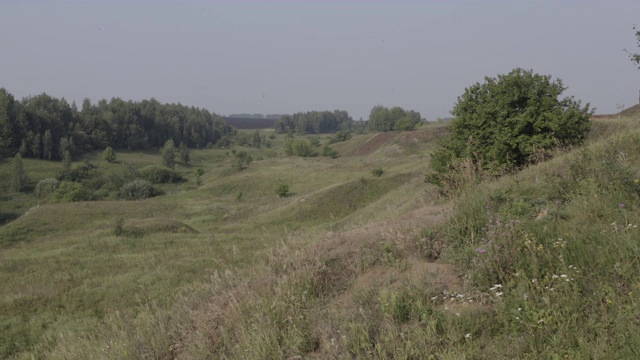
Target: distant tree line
(396, 118)
(256, 116)
(45, 127)
(315, 122)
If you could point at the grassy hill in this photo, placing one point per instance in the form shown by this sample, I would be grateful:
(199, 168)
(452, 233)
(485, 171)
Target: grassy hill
(540, 264)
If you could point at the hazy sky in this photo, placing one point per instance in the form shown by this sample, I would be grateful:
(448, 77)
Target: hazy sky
(290, 56)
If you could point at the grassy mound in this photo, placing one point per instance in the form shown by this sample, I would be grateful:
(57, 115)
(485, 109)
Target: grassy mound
(142, 227)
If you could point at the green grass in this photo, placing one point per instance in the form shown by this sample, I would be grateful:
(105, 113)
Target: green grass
(67, 275)
(540, 264)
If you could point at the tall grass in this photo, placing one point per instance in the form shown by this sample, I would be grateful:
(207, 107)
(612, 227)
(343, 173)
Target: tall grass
(540, 264)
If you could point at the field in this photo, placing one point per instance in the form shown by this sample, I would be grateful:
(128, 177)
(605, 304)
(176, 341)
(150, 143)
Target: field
(540, 264)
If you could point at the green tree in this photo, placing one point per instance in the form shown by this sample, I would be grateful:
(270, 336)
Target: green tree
(65, 146)
(7, 115)
(183, 152)
(503, 123)
(69, 191)
(19, 176)
(109, 155)
(169, 154)
(23, 147)
(198, 172)
(36, 145)
(66, 165)
(243, 159)
(256, 139)
(328, 151)
(47, 145)
(301, 147)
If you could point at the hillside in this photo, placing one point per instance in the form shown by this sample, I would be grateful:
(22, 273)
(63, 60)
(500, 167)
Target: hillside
(350, 265)
(632, 111)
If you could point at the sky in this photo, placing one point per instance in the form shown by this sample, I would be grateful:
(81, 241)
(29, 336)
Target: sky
(285, 56)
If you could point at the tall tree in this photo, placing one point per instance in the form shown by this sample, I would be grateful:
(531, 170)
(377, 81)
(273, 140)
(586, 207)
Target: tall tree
(66, 162)
(183, 152)
(7, 117)
(169, 154)
(47, 145)
(36, 145)
(19, 176)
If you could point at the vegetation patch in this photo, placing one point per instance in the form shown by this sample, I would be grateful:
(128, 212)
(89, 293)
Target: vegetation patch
(338, 202)
(140, 228)
(156, 174)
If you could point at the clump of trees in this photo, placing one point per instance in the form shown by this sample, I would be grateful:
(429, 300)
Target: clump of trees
(314, 122)
(340, 136)
(138, 190)
(507, 122)
(298, 147)
(45, 187)
(159, 175)
(44, 127)
(396, 118)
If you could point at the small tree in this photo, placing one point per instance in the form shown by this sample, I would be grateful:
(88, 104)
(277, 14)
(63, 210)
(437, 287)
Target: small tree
(109, 155)
(169, 154)
(243, 159)
(183, 152)
(509, 121)
(256, 139)
(19, 176)
(198, 173)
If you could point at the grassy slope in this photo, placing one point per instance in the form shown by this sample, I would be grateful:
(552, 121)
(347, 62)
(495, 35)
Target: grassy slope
(64, 272)
(541, 264)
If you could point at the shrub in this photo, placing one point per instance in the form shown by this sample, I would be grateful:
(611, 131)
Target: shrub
(330, 152)
(81, 172)
(377, 172)
(69, 191)
(47, 186)
(507, 122)
(282, 190)
(243, 159)
(138, 190)
(314, 141)
(159, 175)
(109, 155)
(198, 172)
(340, 136)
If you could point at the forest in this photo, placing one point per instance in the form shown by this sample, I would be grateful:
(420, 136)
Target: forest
(44, 127)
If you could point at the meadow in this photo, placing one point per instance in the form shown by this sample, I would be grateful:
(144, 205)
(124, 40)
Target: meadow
(543, 263)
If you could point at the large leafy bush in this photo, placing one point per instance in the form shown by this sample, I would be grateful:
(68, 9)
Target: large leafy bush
(509, 121)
